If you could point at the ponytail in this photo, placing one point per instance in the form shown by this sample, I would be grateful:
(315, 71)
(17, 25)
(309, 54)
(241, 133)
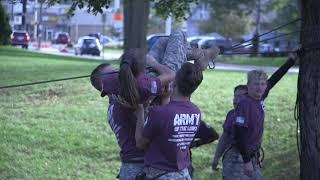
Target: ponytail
(131, 65)
(128, 85)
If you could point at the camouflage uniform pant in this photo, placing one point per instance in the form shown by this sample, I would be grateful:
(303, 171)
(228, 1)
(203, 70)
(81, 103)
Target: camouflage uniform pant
(129, 171)
(151, 173)
(233, 167)
(171, 51)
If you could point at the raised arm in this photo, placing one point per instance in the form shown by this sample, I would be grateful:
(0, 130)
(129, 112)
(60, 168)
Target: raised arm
(276, 76)
(166, 75)
(141, 142)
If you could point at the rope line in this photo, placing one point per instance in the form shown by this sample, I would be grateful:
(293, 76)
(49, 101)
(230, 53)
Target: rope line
(275, 37)
(277, 28)
(54, 80)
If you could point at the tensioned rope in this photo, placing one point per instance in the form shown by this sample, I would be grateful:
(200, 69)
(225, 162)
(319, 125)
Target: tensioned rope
(268, 39)
(54, 80)
(268, 32)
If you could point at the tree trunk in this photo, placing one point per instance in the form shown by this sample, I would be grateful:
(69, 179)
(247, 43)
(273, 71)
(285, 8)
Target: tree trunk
(309, 92)
(136, 14)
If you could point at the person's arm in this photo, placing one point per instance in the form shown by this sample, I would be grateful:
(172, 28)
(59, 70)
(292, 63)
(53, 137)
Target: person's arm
(241, 134)
(241, 131)
(166, 75)
(205, 135)
(221, 148)
(147, 128)
(165, 96)
(141, 142)
(276, 76)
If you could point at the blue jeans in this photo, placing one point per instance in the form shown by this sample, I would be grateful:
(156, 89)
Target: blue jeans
(129, 171)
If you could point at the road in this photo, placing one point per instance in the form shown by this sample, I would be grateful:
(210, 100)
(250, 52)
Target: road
(61, 50)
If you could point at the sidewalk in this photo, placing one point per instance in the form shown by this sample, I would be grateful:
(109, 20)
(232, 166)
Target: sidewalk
(268, 69)
(108, 57)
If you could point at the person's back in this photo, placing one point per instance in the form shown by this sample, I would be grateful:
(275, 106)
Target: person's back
(173, 128)
(169, 130)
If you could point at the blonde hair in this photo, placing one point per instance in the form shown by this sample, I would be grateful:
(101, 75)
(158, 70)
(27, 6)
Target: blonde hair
(256, 74)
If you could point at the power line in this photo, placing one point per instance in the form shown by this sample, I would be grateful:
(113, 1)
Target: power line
(54, 80)
(275, 37)
(277, 28)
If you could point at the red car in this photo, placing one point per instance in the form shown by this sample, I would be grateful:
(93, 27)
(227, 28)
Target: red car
(62, 38)
(20, 38)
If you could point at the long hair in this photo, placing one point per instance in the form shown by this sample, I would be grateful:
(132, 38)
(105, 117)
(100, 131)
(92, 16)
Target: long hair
(132, 63)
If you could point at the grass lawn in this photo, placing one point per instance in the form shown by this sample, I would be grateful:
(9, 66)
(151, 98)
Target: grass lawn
(115, 52)
(255, 61)
(59, 130)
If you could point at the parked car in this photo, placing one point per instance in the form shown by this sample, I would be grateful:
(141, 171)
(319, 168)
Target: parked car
(151, 39)
(61, 38)
(243, 48)
(223, 44)
(96, 35)
(88, 45)
(194, 43)
(106, 41)
(267, 50)
(208, 42)
(20, 38)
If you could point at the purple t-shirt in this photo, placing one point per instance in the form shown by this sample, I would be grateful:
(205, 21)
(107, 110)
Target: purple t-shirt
(250, 114)
(122, 120)
(228, 125)
(171, 129)
(147, 86)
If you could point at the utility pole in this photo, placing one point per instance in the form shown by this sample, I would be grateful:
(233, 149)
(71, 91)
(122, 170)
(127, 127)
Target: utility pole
(24, 13)
(255, 39)
(116, 5)
(168, 25)
(258, 16)
(103, 17)
(35, 27)
(12, 16)
(39, 31)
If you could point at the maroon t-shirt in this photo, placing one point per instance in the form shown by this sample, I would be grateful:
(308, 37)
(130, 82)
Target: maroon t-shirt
(147, 86)
(250, 114)
(228, 125)
(171, 129)
(122, 120)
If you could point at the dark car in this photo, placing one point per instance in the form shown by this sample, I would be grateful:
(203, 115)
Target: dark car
(88, 45)
(62, 38)
(245, 48)
(223, 44)
(194, 43)
(20, 38)
(152, 39)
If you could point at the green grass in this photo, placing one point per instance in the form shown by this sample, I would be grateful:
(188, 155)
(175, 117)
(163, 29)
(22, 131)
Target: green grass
(59, 130)
(255, 61)
(116, 52)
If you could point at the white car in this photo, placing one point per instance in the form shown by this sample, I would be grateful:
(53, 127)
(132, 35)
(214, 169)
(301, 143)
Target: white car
(88, 45)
